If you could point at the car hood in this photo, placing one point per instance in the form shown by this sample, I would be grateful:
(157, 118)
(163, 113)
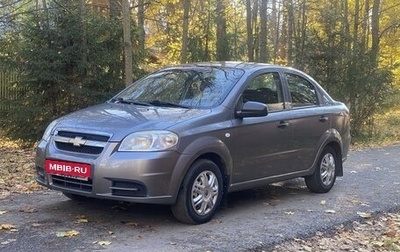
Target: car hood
(122, 119)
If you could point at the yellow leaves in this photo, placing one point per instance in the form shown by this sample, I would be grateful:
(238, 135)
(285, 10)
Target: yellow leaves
(374, 234)
(104, 243)
(81, 219)
(68, 234)
(17, 169)
(6, 226)
(364, 215)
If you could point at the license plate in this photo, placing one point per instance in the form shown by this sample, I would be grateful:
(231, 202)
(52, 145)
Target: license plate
(68, 169)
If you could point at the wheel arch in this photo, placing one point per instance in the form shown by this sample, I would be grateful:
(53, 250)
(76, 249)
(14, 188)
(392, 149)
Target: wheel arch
(209, 148)
(332, 139)
(222, 165)
(337, 147)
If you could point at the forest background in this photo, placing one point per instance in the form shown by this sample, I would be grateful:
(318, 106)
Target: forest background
(69, 54)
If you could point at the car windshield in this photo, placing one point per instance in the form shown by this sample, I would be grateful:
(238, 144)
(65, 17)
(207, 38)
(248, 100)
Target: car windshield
(198, 87)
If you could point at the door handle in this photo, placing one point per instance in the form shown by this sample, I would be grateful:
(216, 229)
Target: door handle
(283, 124)
(323, 118)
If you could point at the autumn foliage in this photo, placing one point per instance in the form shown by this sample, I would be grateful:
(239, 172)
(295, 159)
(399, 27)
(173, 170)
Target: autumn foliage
(70, 54)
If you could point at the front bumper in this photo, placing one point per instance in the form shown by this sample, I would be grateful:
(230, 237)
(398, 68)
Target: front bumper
(143, 177)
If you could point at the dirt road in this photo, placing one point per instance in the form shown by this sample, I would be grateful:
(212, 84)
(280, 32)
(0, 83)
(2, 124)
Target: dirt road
(254, 220)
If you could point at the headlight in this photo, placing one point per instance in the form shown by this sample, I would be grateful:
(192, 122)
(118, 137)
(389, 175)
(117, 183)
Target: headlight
(155, 140)
(48, 131)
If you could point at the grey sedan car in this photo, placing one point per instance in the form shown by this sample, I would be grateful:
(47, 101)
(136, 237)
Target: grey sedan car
(188, 135)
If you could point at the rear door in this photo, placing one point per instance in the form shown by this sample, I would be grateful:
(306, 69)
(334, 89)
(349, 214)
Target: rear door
(309, 117)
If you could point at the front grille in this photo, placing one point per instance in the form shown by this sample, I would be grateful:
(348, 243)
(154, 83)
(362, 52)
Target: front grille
(71, 183)
(80, 142)
(80, 149)
(127, 188)
(85, 136)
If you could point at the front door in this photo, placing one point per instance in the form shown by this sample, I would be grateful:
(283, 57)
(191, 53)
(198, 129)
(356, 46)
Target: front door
(263, 145)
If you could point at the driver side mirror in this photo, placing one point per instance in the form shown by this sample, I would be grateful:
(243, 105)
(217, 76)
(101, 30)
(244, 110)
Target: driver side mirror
(252, 109)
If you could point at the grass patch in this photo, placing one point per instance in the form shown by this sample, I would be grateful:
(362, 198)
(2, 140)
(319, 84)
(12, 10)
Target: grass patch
(384, 131)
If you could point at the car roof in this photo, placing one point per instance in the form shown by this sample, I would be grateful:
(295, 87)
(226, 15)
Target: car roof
(246, 66)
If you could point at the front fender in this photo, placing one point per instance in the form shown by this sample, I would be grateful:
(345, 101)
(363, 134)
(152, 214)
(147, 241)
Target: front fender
(201, 147)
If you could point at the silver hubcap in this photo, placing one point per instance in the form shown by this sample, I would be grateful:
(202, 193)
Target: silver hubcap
(327, 169)
(205, 192)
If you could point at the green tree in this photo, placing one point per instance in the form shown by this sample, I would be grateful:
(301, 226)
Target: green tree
(55, 76)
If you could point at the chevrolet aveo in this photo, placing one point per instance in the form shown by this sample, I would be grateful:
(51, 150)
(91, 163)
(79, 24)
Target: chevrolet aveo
(188, 135)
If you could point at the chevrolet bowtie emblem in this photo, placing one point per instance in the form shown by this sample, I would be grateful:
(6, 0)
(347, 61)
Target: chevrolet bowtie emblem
(77, 141)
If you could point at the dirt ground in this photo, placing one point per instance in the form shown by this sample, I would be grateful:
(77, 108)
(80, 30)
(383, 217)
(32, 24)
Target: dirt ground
(375, 233)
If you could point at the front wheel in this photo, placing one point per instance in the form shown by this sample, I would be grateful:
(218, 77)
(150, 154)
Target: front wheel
(324, 176)
(200, 194)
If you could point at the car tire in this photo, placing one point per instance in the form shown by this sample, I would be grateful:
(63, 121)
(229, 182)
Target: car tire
(75, 197)
(200, 194)
(324, 176)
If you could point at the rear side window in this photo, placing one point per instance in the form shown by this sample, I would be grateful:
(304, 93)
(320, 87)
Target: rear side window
(302, 92)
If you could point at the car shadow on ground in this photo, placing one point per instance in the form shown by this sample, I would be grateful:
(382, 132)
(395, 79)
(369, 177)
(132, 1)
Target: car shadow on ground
(270, 194)
(44, 215)
(107, 212)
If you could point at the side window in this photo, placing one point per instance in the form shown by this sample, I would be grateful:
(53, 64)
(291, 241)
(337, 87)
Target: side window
(265, 88)
(301, 90)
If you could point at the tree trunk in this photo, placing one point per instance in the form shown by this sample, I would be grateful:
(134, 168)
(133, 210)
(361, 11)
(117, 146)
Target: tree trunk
(126, 26)
(84, 34)
(302, 36)
(375, 33)
(275, 16)
(250, 48)
(255, 26)
(222, 41)
(263, 32)
(185, 30)
(140, 22)
(290, 31)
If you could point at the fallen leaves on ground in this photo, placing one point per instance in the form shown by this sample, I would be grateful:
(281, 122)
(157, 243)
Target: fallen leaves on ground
(7, 226)
(17, 169)
(68, 234)
(17, 173)
(375, 234)
(104, 243)
(81, 219)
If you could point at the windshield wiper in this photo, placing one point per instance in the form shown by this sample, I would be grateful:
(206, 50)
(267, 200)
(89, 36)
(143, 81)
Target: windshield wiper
(127, 101)
(167, 104)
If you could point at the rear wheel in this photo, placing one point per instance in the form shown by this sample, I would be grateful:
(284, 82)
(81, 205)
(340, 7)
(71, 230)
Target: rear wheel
(200, 194)
(324, 176)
